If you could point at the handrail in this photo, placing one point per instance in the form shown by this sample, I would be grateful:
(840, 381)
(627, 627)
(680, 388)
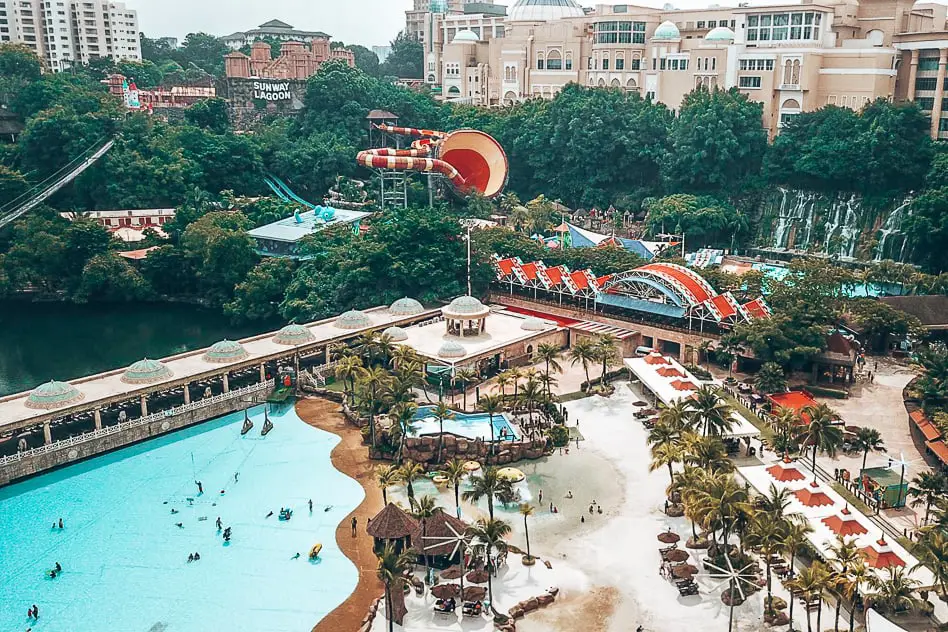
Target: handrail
(133, 423)
(55, 186)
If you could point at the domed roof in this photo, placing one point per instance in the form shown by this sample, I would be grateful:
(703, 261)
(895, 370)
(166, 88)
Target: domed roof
(544, 10)
(293, 335)
(146, 372)
(719, 34)
(225, 351)
(534, 324)
(466, 306)
(667, 30)
(465, 36)
(353, 319)
(53, 395)
(406, 307)
(396, 334)
(451, 349)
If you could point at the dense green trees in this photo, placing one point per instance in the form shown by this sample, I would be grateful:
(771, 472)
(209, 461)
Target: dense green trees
(717, 142)
(407, 59)
(704, 221)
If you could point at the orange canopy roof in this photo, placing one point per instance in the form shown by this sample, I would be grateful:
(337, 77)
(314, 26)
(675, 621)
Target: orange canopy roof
(785, 472)
(940, 450)
(844, 524)
(927, 427)
(811, 497)
(881, 555)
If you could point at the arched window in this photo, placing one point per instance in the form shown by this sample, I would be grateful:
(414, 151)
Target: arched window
(602, 83)
(714, 63)
(791, 104)
(554, 61)
(706, 82)
(431, 78)
(616, 84)
(605, 61)
(636, 62)
(795, 73)
(620, 61)
(569, 60)
(787, 71)
(454, 90)
(540, 64)
(592, 81)
(510, 98)
(632, 86)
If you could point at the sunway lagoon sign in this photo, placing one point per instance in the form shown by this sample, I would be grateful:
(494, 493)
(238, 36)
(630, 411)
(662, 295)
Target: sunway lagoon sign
(272, 91)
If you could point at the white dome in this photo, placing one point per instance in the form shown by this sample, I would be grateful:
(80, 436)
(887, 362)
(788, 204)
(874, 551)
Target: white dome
(465, 36)
(396, 334)
(667, 30)
(719, 34)
(451, 350)
(544, 10)
(534, 324)
(353, 319)
(406, 307)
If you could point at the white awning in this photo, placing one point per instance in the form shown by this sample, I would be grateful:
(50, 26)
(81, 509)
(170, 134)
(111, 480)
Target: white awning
(875, 622)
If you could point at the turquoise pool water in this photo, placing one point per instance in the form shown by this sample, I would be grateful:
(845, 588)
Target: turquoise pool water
(472, 426)
(125, 560)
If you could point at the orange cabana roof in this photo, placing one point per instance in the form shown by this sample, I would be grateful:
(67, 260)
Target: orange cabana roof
(667, 371)
(844, 524)
(684, 385)
(811, 496)
(656, 358)
(926, 427)
(881, 555)
(785, 471)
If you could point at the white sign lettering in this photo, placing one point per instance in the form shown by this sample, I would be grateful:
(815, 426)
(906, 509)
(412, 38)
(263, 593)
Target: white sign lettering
(271, 91)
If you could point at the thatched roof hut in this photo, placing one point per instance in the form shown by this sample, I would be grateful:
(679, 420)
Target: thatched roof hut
(392, 524)
(440, 532)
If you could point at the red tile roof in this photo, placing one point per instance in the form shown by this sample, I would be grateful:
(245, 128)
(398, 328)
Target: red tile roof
(925, 426)
(940, 450)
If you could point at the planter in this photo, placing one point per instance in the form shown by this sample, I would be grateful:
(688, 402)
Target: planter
(675, 511)
(528, 560)
(699, 543)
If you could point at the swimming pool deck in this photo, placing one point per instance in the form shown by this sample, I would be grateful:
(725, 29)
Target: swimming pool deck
(351, 458)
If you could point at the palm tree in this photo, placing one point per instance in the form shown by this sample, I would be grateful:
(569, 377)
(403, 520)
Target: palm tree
(794, 539)
(868, 439)
(703, 350)
(367, 346)
(515, 376)
(606, 348)
(424, 509)
(894, 594)
(403, 413)
(491, 404)
(503, 379)
(708, 453)
(768, 534)
(775, 503)
(548, 353)
(467, 377)
(714, 415)
(665, 455)
(547, 382)
(583, 352)
(822, 433)
(347, 369)
(532, 393)
(442, 411)
(490, 535)
(932, 551)
(454, 471)
(812, 581)
(484, 485)
(526, 510)
(402, 354)
(411, 472)
(374, 380)
(391, 572)
(786, 424)
(847, 555)
(927, 487)
(718, 503)
(676, 415)
(386, 476)
(385, 346)
(858, 575)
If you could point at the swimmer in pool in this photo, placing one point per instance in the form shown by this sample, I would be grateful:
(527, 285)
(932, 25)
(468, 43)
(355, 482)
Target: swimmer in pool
(270, 514)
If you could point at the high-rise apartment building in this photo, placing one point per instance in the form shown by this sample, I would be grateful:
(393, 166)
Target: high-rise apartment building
(415, 18)
(793, 58)
(64, 32)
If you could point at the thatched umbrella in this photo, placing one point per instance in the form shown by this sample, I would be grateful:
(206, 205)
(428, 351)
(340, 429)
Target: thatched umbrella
(668, 537)
(684, 571)
(475, 593)
(446, 591)
(455, 572)
(477, 577)
(678, 555)
(640, 404)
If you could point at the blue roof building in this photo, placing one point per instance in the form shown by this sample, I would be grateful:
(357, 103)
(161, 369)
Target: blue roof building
(282, 238)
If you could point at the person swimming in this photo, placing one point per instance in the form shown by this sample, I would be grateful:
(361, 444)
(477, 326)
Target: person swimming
(310, 505)
(271, 513)
(180, 525)
(59, 568)
(328, 507)
(197, 556)
(218, 523)
(190, 557)
(174, 511)
(296, 557)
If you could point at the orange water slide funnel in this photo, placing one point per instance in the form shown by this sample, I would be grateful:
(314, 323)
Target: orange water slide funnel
(479, 159)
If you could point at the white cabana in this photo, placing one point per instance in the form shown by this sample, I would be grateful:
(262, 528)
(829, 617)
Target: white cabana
(824, 508)
(670, 382)
(875, 622)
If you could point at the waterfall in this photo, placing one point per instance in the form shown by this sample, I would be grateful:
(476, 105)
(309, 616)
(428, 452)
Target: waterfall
(850, 231)
(783, 225)
(788, 218)
(893, 226)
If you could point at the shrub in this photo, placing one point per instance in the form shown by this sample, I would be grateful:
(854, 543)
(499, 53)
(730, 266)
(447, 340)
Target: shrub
(559, 435)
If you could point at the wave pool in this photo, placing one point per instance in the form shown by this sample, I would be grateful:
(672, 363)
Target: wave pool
(125, 559)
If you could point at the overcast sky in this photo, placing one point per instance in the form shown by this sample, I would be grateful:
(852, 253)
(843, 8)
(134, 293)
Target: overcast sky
(366, 22)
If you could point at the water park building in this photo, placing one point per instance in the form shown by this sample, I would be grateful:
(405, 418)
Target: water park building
(791, 57)
(282, 238)
(63, 422)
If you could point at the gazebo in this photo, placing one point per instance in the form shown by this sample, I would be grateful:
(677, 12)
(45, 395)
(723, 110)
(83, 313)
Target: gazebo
(394, 525)
(435, 537)
(465, 316)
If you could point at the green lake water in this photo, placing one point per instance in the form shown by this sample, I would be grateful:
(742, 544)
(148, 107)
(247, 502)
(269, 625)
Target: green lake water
(62, 341)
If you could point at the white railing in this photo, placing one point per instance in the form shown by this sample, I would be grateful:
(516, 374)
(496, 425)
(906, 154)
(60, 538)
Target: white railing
(134, 423)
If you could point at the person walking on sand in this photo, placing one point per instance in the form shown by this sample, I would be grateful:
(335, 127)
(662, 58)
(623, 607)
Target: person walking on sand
(355, 523)
(540, 497)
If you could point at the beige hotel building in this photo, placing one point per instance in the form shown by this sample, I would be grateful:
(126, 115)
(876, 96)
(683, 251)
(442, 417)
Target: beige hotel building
(790, 57)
